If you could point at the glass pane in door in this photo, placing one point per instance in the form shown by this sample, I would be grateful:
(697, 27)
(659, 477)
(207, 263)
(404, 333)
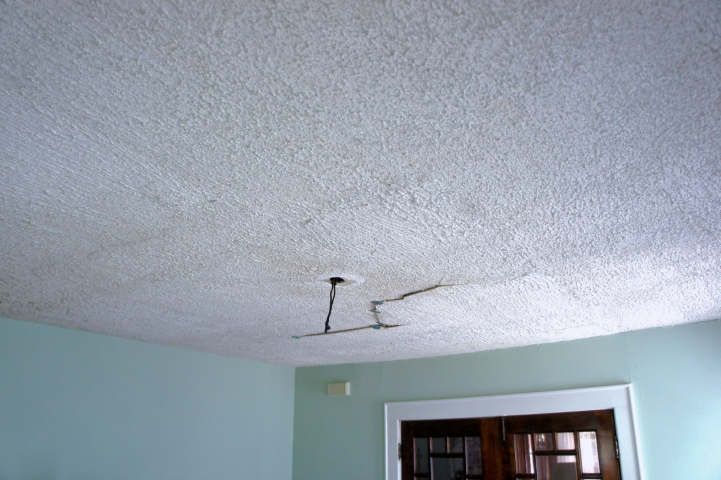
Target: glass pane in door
(455, 445)
(524, 453)
(447, 469)
(473, 455)
(556, 467)
(544, 441)
(565, 441)
(589, 452)
(438, 445)
(421, 455)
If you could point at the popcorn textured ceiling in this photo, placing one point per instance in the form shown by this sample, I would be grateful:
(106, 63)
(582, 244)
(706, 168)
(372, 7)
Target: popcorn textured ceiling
(182, 173)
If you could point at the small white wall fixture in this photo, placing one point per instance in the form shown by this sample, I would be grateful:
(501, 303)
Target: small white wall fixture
(339, 388)
(616, 397)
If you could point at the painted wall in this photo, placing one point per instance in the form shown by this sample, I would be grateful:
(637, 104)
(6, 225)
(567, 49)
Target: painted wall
(75, 405)
(676, 373)
(81, 406)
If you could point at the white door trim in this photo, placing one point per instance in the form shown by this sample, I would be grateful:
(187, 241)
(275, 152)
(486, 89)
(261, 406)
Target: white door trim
(617, 397)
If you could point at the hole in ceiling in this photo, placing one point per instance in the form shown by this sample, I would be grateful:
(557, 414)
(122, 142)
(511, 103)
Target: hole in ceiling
(347, 280)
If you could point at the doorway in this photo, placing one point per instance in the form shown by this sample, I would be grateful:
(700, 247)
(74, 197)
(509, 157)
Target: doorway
(559, 446)
(619, 398)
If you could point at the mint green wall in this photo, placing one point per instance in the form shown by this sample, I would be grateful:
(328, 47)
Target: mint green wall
(82, 406)
(75, 405)
(676, 373)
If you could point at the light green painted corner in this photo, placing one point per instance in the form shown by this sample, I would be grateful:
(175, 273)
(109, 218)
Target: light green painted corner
(345, 434)
(75, 405)
(676, 373)
(81, 406)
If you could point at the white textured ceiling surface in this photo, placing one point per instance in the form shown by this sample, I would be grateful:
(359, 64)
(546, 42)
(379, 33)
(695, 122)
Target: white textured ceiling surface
(182, 173)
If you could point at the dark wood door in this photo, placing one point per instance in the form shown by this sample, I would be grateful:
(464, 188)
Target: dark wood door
(450, 449)
(564, 446)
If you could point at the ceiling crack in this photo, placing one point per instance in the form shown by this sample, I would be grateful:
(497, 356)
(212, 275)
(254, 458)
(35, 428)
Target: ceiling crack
(416, 292)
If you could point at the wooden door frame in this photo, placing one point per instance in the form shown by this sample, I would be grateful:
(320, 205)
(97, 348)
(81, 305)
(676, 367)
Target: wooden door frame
(616, 397)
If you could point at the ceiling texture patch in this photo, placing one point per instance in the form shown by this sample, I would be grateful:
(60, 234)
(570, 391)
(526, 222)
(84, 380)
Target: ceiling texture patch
(493, 173)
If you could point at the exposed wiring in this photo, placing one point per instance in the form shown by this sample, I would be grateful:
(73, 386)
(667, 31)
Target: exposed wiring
(333, 282)
(375, 326)
(375, 310)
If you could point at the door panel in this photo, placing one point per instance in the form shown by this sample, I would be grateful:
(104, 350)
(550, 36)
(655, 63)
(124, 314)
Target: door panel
(565, 446)
(449, 449)
(578, 445)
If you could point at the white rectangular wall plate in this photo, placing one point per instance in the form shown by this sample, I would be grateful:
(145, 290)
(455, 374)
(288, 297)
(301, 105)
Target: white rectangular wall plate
(339, 388)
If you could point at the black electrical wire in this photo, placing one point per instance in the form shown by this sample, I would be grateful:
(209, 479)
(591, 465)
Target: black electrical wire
(333, 282)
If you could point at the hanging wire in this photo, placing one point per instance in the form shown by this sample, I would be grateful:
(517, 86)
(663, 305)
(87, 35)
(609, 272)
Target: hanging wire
(333, 282)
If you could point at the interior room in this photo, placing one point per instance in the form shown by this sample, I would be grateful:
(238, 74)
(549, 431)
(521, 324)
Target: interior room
(234, 234)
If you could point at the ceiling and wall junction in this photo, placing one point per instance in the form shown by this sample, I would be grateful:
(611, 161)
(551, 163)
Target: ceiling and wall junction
(182, 174)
